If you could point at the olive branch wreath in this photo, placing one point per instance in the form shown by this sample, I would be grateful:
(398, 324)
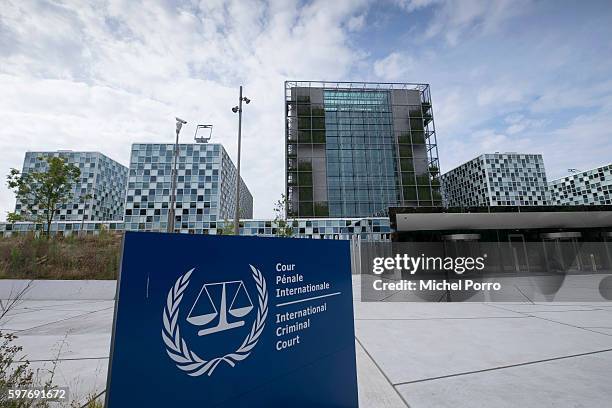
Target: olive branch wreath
(177, 348)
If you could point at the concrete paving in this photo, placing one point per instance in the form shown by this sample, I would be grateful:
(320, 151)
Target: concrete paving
(579, 381)
(408, 354)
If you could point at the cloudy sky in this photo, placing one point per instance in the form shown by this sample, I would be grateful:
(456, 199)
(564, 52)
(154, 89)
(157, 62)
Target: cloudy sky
(508, 75)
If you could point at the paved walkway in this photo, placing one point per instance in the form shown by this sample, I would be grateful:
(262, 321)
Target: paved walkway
(408, 354)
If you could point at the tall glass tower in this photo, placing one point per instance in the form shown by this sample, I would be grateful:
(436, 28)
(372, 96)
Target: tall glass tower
(355, 149)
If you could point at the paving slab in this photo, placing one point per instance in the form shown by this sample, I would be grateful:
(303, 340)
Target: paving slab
(410, 350)
(96, 322)
(579, 288)
(402, 342)
(375, 391)
(603, 330)
(79, 305)
(593, 318)
(16, 311)
(546, 307)
(83, 336)
(578, 382)
(45, 304)
(51, 347)
(60, 289)
(597, 305)
(83, 377)
(423, 310)
(29, 320)
(604, 305)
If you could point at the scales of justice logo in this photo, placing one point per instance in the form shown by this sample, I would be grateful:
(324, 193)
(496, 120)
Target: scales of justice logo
(219, 307)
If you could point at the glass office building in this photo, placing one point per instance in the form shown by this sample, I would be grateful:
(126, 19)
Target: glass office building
(205, 194)
(102, 179)
(499, 179)
(591, 187)
(355, 149)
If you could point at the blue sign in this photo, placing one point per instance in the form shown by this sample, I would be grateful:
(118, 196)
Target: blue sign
(233, 322)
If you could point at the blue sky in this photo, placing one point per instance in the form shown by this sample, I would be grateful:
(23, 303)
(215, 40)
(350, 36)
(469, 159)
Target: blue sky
(521, 75)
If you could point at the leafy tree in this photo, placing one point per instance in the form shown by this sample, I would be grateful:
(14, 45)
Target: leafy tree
(14, 217)
(41, 193)
(284, 228)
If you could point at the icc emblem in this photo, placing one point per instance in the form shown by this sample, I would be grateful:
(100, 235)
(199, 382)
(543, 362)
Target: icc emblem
(240, 306)
(228, 311)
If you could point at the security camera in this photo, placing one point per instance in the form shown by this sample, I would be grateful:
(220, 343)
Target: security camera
(184, 122)
(247, 100)
(235, 109)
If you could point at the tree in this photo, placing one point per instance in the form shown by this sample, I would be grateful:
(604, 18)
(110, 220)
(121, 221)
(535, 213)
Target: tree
(14, 217)
(41, 193)
(283, 227)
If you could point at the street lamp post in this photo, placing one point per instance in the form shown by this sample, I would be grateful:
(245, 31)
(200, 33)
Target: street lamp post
(238, 109)
(179, 124)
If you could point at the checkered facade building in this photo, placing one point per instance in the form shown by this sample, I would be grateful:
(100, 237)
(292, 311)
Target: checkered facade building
(365, 229)
(591, 187)
(101, 177)
(499, 179)
(205, 194)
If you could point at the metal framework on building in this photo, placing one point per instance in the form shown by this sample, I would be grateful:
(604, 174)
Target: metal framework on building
(394, 121)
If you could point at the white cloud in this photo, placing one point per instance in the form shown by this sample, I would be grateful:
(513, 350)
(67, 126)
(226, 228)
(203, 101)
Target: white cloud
(412, 5)
(501, 94)
(584, 143)
(568, 96)
(356, 23)
(490, 140)
(454, 19)
(103, 75)
(518, 123)
(394, 67)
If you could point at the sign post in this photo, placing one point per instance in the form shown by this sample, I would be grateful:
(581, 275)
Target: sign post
(233, 322)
